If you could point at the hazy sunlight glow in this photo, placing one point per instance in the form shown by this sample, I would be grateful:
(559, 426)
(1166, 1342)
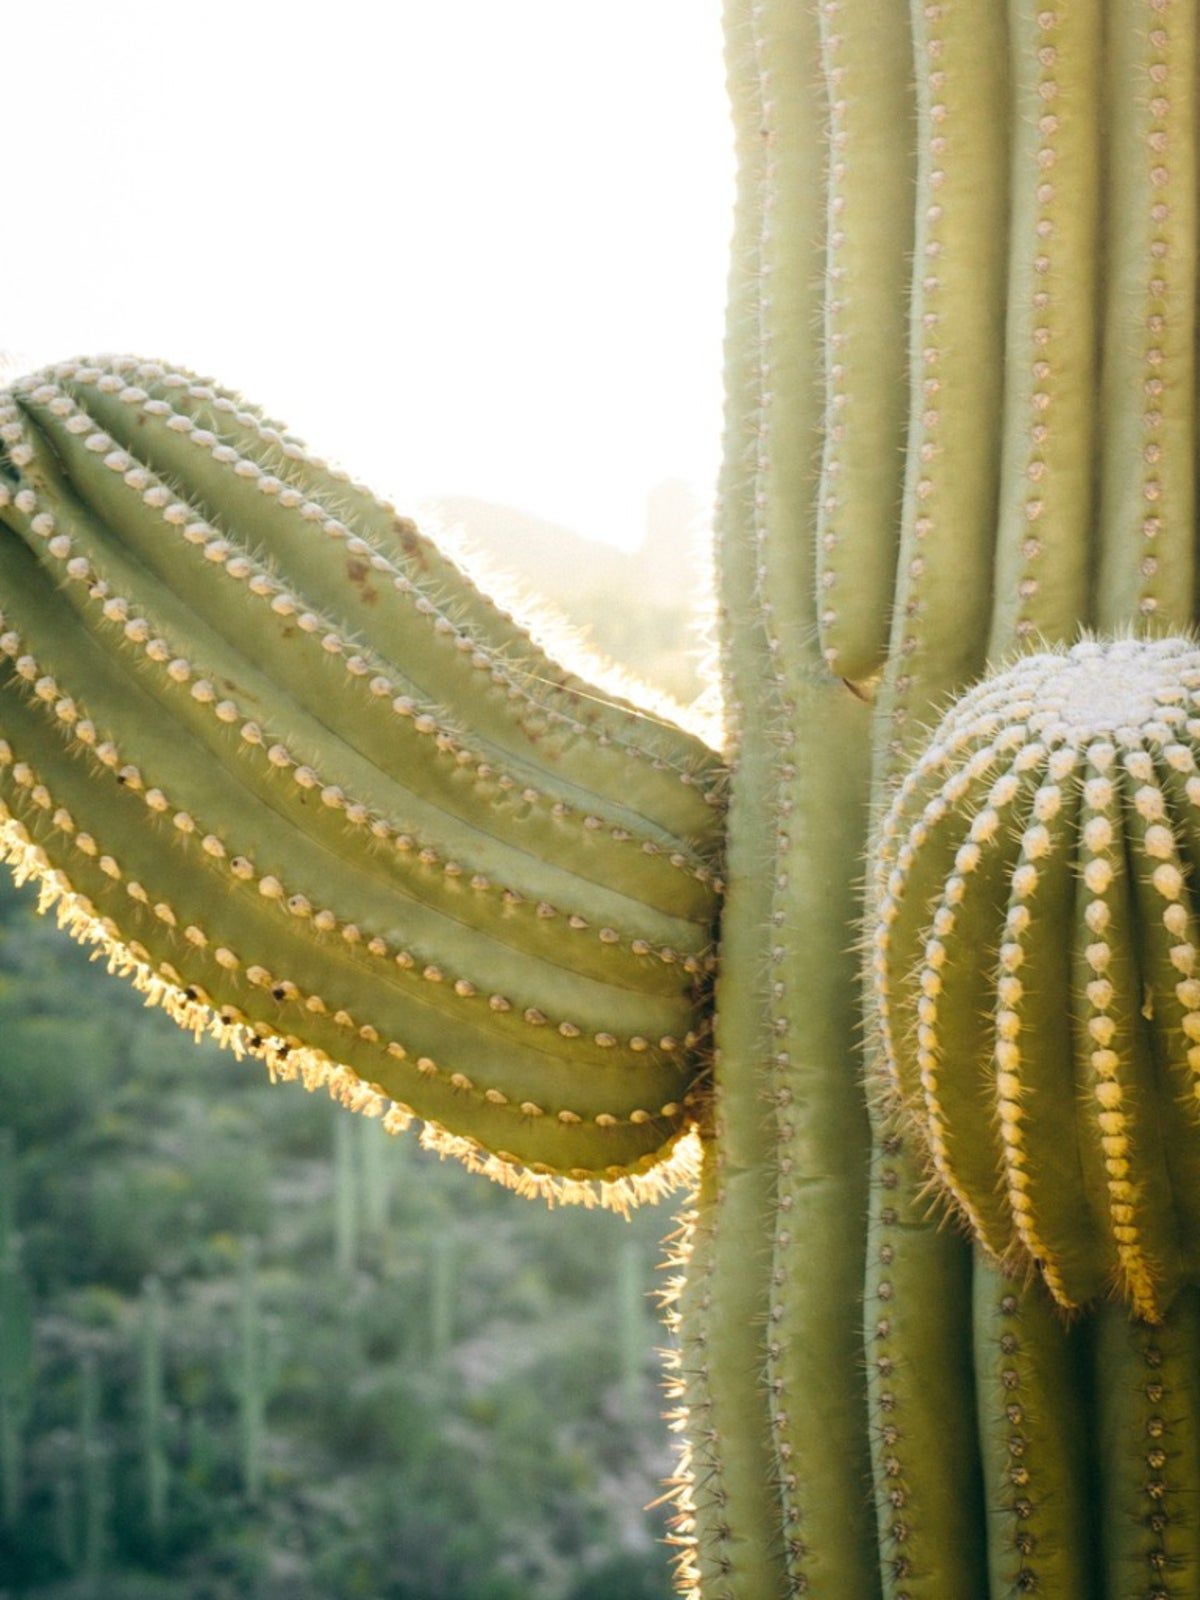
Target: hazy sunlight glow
(465, 249)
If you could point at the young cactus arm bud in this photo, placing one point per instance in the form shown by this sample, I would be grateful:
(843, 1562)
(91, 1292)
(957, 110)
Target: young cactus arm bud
(1089, 732)
(490, 930)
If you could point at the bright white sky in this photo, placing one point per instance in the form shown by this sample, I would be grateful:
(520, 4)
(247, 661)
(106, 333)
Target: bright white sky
(463, 247)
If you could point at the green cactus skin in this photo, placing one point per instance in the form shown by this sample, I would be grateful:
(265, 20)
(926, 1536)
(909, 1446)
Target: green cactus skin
(960, 430)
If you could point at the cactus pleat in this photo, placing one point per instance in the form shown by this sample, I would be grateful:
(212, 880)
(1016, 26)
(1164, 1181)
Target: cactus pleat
(1032, 1401)
(865, 60)
(500, 922)
(1046, 502)
(1147, 481)
(1147, 1449)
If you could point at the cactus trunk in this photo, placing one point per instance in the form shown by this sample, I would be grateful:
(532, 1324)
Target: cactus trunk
(837, 1336)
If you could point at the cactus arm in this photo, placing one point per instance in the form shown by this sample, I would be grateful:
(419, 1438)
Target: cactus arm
(1147, 503)
(373, 911)
(159, 768)
(1042, 559)
(393, 617)
(126, 884)
(866, 63)
(409, 908)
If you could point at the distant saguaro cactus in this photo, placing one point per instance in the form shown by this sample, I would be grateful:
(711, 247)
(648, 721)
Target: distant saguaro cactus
(293, 774)
(16, 1343)
(152, 1419)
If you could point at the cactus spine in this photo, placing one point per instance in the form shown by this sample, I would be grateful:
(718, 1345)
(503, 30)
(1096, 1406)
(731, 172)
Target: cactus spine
(274, 754)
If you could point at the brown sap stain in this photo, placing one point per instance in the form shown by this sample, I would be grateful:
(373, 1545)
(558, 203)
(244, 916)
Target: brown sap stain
(359, 572)
(406, 531)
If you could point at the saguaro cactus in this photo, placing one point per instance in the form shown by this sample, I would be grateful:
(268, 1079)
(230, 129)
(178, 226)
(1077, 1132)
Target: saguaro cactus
(272, 753)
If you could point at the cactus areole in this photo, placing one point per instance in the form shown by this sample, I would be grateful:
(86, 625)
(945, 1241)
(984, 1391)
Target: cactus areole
(935, 1090)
